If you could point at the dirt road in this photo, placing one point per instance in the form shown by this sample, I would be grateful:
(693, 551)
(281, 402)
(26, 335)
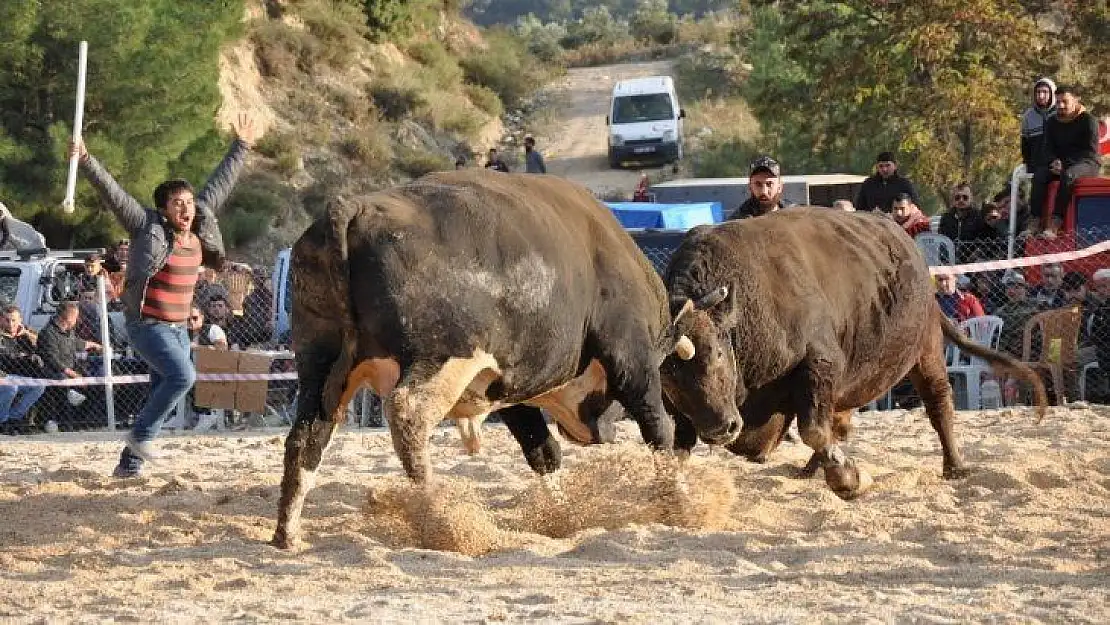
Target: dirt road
(575, 144)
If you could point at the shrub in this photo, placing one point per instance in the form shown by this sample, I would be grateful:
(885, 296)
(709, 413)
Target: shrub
(251, 208)
(442, 68)
(396, 98)
(485, 99)
(417, 163)
(339, 28)
(282, 147)
(369, 145)
(505, 67)
(281, 50)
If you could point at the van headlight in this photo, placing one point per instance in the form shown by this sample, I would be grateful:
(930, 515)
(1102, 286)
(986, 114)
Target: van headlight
(616, 140)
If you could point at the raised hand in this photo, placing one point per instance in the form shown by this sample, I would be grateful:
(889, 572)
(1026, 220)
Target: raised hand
(244, 128)
(78, 149)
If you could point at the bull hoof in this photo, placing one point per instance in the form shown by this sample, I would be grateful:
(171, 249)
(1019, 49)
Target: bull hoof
(283, 542)
(958, 472)
(805, 473)
(848, 480)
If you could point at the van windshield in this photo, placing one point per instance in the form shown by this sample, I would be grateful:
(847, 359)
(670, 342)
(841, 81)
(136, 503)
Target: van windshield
(649, 107)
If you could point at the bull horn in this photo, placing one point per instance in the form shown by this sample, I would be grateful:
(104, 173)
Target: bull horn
(684, 348)
(713, 298)
(687, 306)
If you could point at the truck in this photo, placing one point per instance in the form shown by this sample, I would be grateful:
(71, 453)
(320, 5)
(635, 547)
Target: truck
(815, 189)
(38, 280)
(645, 121)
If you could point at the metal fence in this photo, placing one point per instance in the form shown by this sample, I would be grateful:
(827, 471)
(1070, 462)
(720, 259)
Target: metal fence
(1054, 313)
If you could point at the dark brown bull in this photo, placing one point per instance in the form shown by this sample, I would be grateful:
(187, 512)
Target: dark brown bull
(467, 292)
(810, 313)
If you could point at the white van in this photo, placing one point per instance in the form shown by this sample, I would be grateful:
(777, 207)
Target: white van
(645, 121)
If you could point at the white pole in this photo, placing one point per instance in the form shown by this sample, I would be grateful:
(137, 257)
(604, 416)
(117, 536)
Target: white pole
(78, 120)
(1015, 178)
(106, 342)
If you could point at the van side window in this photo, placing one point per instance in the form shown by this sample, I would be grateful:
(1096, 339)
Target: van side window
(9, 285)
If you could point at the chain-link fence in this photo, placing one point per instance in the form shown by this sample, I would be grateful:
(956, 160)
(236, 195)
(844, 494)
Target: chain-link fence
(1054, 314)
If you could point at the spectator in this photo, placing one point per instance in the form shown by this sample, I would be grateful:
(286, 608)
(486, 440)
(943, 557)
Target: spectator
(1034, 154)
(533, 160)
(1017, 310)
(256, 325)
(879, 190)
(93, 269)
(171, 243)
(1001, 202)
(17, 357)
(956, 304)
(58, 343)
(495, 163)
(962, 223)
(208, 287)
(989, 289)
(908, 215)
(1071, 139)
(1050, 293)
(460, 163)
(843, 205)
(205, 334)
(764, 189)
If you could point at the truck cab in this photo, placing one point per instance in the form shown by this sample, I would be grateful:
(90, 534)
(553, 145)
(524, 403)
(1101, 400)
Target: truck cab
(645, 121)
(39, 280)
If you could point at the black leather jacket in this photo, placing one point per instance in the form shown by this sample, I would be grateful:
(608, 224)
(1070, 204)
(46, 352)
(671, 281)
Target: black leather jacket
(151, 234)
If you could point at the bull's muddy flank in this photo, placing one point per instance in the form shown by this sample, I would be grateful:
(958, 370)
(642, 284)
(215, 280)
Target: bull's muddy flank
(809, 314)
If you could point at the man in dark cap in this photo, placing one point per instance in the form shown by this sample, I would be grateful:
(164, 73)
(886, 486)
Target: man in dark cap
(879, 190)
(764, 189)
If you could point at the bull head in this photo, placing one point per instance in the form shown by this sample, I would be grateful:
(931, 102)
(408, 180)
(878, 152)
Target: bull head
(684, 347)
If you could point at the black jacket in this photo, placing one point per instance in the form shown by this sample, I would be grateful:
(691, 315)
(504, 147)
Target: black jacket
(879, 192)
(1073, 142)
(58, 349)
(751, 208)
(152, 235)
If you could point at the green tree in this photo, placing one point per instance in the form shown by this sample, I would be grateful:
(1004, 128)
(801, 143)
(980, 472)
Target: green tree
(940, 81)
(150, 103)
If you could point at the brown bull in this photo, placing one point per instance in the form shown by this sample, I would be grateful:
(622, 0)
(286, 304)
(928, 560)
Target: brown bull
(810, 313)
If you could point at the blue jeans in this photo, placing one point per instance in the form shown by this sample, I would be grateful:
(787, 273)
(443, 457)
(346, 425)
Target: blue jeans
(28, 397)
(165, 349)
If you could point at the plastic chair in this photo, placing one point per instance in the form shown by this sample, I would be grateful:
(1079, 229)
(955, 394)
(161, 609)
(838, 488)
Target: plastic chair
(1083, 379)
(987, 331)
(1059, 330)
(937, 248)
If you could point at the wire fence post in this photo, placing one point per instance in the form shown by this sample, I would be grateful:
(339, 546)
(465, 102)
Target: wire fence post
(106, 344)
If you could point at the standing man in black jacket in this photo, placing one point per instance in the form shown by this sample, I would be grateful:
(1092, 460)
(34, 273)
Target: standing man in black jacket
(764, 189)
(168, 246)
(879, 190)
(1071, 143)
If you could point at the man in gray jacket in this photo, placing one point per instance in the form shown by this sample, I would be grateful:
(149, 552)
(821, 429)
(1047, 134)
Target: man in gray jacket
(168, 245)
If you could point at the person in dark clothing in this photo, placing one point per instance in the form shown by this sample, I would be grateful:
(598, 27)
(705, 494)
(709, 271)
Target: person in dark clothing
(963, 223)
(764, 189)
(1071, 144)
(495, 162)
(879, 190)
(1034, 153)
(58, 343)
(533, 160)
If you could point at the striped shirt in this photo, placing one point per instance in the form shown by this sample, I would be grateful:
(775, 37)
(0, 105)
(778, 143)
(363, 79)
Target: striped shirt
(169, 294)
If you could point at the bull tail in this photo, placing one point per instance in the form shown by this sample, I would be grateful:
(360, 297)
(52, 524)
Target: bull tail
(999, 360)
(340, 214)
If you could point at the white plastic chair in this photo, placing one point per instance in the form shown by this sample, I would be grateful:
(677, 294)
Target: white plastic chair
(937, 248)
(1083, 379)
(987, 331)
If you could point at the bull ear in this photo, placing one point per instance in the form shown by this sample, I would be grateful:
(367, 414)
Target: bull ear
(687, 306)
(713, 298)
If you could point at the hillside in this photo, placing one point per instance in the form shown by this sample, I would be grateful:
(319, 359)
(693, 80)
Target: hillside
(343, 114)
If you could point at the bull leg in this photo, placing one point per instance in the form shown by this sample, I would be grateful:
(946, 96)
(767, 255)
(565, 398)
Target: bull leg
(634, 381)
(305, 444)
(842, 427)
(817, 426)
(529, 428)
(756, 442)
(424, 399)
(470, 431)
(930, 379)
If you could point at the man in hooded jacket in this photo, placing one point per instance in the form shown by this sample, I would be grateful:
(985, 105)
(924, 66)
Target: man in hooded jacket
(1034, 148)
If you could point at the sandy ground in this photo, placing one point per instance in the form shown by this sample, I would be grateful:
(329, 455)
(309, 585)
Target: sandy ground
(1026, 538)
(575, 143)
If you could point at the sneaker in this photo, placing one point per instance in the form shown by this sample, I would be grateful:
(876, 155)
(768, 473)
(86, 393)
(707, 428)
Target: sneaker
(144, 450)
